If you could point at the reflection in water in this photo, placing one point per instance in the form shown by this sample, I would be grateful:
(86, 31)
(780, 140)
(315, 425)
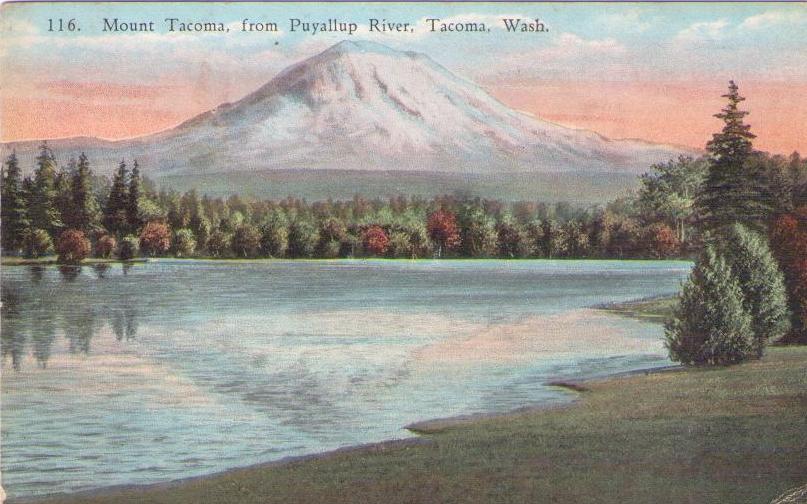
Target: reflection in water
(76, 318)
(36, 273)
(100, 270)
(13, 334)
(70, 273)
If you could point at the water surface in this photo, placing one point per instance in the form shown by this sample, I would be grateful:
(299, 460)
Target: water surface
(157, 371)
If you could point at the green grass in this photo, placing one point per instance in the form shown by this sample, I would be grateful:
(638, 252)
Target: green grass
(725, 435)
(654, 310)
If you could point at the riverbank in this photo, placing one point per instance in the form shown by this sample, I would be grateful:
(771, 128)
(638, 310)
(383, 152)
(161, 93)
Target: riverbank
(697, 435)
(52, 261)
(657, 309)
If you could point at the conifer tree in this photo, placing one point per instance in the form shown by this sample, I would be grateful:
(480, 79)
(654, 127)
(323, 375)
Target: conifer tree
(14, 207)
(133, 203)
(43, 212)
(115, 217)
(761, 282)
(735, 188)
(710, 326)
(84, 207)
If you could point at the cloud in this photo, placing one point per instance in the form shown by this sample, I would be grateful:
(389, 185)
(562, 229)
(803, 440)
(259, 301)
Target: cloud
(628, 20)
(770, 19)
(703, 31)
(565, 51)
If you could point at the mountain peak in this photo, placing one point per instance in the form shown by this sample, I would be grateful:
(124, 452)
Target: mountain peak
(362, 105)
(362, 46)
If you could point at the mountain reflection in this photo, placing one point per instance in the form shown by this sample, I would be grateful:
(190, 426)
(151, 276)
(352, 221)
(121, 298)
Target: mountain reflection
(31, 321)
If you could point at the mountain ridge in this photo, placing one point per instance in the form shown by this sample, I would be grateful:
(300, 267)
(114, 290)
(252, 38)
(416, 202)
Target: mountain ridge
(365, 106)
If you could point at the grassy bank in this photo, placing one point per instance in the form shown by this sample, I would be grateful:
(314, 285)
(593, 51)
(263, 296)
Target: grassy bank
(654, 310)
(721, 435)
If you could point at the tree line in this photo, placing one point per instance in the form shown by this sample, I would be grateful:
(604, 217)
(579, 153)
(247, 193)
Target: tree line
(74, 213)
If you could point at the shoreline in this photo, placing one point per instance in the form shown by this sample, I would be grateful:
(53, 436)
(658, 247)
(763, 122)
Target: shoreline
(52, 261)
(623, 431)
(421, 429)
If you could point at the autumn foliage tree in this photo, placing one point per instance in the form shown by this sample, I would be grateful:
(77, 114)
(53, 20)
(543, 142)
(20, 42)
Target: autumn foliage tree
(443, 230)
(155, 239)
(72, 247)
(660, 240)
(375, 240)
(105, 246)
(789, 245)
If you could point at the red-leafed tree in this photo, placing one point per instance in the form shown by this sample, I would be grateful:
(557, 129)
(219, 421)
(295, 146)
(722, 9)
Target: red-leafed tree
(375, 240)
(72, 247)
(443, 230)
(789, 245)
(661, 240)
(155, 238)
(104, 246)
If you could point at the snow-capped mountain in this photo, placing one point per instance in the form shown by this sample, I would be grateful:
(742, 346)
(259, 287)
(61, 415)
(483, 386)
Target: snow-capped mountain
(364, 106)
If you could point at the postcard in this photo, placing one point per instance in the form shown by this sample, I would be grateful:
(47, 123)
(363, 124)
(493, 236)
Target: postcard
(413, 252)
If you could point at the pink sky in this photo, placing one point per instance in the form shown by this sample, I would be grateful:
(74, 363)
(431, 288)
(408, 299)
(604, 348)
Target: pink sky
(679, 113)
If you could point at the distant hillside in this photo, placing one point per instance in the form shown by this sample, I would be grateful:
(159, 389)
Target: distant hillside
(315, 185)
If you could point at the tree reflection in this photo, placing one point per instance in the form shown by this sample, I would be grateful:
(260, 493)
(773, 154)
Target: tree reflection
(32, 316)
(36, 273)
(79, 327)
(100, 270)
(13, 334)
(70, 273)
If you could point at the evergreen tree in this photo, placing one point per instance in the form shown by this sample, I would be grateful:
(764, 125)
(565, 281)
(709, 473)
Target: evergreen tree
(43, 212)
(84, 208)
(115, 217)
(735, 189)
(133, 201)
(14, 207)
(761, 282)
(710, 326)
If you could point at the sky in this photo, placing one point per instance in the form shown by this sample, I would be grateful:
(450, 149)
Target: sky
(632, 70)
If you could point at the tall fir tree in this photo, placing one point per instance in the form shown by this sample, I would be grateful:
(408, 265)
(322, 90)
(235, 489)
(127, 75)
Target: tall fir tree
(43, 212)
(14, 207)
(115, 216)
(133, 201)
(84, 208)
(735, 189)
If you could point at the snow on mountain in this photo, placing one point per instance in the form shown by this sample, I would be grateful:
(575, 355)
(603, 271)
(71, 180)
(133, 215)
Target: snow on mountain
(364, 106)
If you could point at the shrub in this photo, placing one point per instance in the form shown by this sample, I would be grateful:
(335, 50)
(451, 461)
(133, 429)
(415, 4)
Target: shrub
(129, 248)
(660, 240)
(104, 246)
(246, 241)
(761, 282)
(37, 243)
(375, 240)
(303, 239)
(184, 243)
(710, 326)
(400, 244)
(155, 239)
(72, 247)
(218, 244)
(789, 244)
(274, 239)
(443, 230)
